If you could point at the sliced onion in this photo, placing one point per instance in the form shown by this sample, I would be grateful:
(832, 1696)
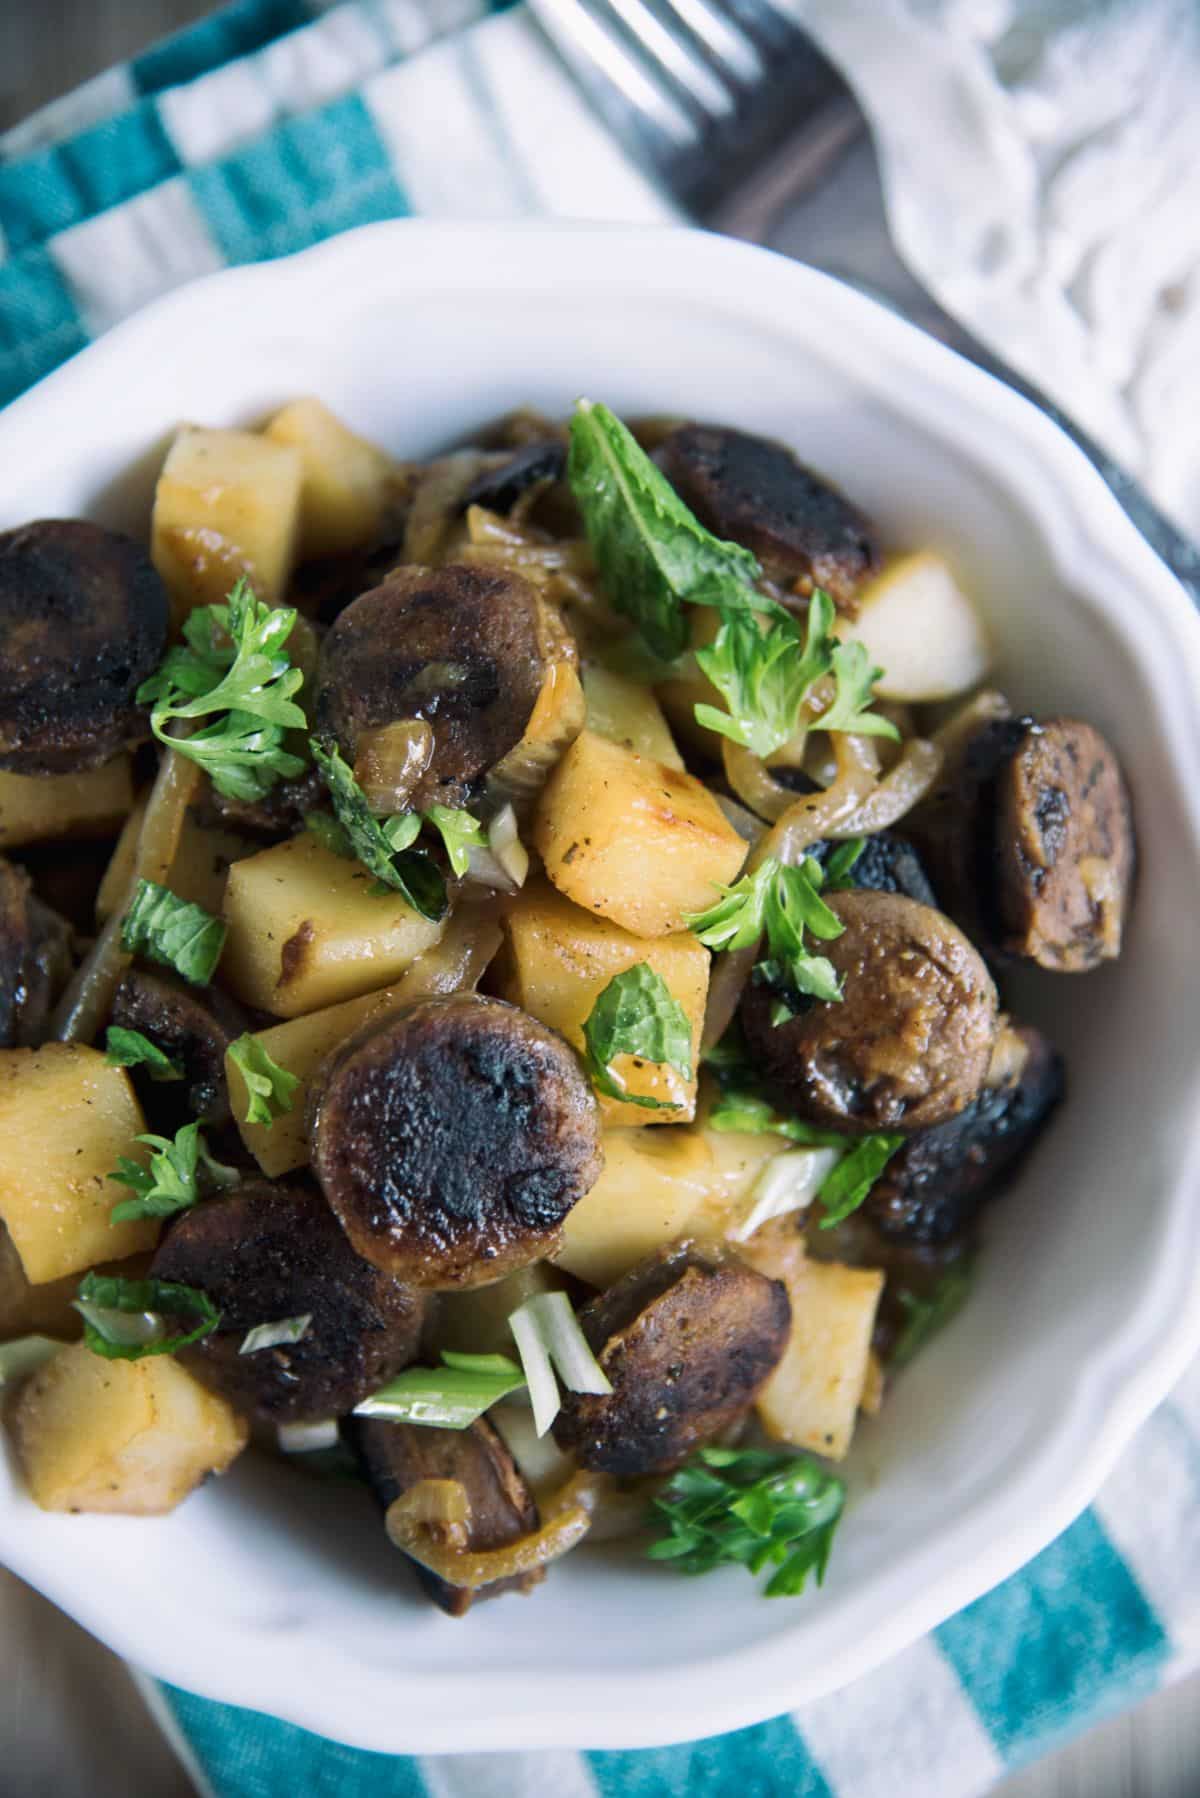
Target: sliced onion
(390, 761)
(789, 1182)
(816, 815)
(306, 1438)
(437, 502)
(907, 784)
(457, 963)
(472, 1568)
(504, 864)
(967, 720)
(556, 720)
(88, 999)
(729, 976)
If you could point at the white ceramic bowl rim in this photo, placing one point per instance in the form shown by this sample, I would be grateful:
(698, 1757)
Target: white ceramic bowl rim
(1124, 1380)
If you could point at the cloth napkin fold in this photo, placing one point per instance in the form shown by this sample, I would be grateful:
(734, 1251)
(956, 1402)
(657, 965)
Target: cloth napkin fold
(276, 123)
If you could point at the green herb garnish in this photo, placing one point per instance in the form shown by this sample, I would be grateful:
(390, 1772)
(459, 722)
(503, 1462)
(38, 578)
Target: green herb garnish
(130, 1049)
(840, 864)
(750, 1508)
(179, 1173)
(780, 903)
(126, 1319)
(277, 1335)
(924, 1317)
(460, 832)
(764, 671)
(450, 1397)
(637, 1015)
(232, 668)
(653, 554)
(382, 845)
(270, 1089)
(844, 1190)
(173, 931)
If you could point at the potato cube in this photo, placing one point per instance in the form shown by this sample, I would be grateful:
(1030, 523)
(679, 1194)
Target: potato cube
(813, 1397)
(306, 929)
(559, 959)
(37, 807)
(627, 712)
(347, 482)
(919, 626)
(227, 504)
(131, 1437)
(657, 1186)
(631, 839)
(48, 1310)
(65, 1117)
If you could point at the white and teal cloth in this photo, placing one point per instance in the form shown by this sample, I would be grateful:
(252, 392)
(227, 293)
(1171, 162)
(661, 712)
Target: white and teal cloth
(276, 123)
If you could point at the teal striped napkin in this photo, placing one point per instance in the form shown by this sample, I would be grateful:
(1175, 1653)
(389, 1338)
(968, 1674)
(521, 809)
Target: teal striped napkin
(276, 123)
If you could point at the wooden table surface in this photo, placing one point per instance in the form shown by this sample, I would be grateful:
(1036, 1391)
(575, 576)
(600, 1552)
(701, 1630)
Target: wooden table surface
(72, 1724)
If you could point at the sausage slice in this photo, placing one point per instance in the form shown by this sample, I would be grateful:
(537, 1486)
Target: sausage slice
(83, 621)
(687, 1340)
(264, 1253)
(453, 1140)
(908, 1046)
(395, 1456)
(888, 864)
(463, 648)
(500, 488)
(757, 493)
(1033, 845)
(195, 1026)
(933, 1189)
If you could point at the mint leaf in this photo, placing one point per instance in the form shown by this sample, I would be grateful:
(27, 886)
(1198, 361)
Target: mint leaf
(381, 846)
(234, 669)
(653, 555)
(130, 1049)
(845, 1188)
(752, 1508)
(174, 932)
(636, 1015)
(270, 1088)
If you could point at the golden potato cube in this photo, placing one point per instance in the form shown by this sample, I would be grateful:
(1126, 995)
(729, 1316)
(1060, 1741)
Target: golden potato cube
(813, 1397)
(227, 504)
(347, 482)
(631, 839)
(65, 1117)
(131, 1437)
(559, 959)
(657, 1186)
(37, 807)
(627, 712)
(306, 929)
(48, 1310)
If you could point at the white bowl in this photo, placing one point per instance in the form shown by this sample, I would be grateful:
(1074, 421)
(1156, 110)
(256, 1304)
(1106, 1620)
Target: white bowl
(268, 1590)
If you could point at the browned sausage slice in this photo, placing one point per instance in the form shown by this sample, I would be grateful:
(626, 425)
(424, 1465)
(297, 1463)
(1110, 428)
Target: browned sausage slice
(193, 1025)
(687, 1340)
(908, 1046)
(453, 1140)
(83, 621)
(395, 1456)
(265, 1253)
(1063, 846)
(757, 493)
(935, 1186)
(463, 648)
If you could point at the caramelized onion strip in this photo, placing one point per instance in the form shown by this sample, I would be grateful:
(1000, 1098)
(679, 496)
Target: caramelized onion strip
(439, 1545)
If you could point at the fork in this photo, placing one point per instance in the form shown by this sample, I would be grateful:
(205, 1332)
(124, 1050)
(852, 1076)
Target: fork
(733, 110)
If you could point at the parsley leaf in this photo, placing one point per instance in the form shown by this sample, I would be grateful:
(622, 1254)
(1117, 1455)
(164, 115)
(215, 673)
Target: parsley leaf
(130, 1049)
(925, 1316)
(855, 676)
(636, 1015)
(178, 1170)
(234, 669)
(780, 902)
(171, 930)
(382, 846)
(460, 832)
(751, 1508)
(652, 553)
(124, 1319)
(840, 865)
(764, 674)
(270, 1089)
